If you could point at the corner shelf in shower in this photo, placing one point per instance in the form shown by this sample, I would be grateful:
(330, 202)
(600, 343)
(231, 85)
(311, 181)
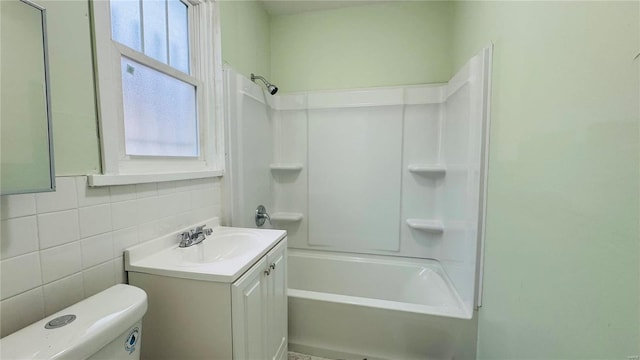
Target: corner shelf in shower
(427, 169)
(431, 226)
(287, 217)
(285, 167)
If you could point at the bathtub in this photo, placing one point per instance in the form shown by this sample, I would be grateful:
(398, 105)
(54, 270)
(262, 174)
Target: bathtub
(353, 306)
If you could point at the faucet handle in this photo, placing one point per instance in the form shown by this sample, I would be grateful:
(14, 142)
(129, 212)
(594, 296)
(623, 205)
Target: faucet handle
(200, 228)
(185, 239)
(261, 216)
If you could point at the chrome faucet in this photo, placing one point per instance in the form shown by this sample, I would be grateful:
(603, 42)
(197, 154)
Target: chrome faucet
(194, 236)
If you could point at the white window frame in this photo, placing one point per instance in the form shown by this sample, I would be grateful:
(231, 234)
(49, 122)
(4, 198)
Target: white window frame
(206, 74)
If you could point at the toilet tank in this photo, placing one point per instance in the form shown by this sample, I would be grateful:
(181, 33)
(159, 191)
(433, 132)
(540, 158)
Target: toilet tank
(106, 326)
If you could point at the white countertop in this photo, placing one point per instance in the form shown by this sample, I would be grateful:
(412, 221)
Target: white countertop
(162, 256)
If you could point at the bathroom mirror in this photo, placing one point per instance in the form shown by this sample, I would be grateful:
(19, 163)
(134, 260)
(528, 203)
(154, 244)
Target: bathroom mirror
(26, 148)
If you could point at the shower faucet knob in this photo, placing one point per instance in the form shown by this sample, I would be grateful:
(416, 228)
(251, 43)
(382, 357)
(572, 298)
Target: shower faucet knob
(262, 216)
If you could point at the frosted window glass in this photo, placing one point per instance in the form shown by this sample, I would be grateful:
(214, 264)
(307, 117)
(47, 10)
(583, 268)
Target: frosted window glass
(159, 113)
(155, 29)
(178, 36)
(125, 23)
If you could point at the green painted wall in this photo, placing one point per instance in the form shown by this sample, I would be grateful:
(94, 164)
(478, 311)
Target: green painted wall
(562, 249)
(246, 43)
(362, 46)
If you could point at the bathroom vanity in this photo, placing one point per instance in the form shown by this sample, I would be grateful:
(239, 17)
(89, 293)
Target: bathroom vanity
(225, 298)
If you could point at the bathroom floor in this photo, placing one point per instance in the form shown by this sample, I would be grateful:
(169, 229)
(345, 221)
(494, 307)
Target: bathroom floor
(297, 356)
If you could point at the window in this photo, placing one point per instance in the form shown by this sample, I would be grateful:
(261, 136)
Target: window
(159, 74)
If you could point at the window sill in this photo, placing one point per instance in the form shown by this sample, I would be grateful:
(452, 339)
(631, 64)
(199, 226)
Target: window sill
(127, 179)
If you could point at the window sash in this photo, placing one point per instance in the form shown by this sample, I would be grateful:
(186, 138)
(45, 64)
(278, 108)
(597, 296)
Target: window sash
(170, 71)
(206, 75)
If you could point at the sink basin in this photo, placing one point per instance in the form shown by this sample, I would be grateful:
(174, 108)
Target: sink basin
(222, 257)
(217, 247)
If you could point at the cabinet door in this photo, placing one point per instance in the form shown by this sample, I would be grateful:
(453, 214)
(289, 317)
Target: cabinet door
(277, 303)
(249, 310)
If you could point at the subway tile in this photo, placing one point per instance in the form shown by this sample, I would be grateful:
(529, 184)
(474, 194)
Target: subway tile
(19, 274)
(166, 187)
(198, 199)
(63, 293)
(21, 310)
(149, 231)
(89, 196)
(146, 190)
(122, 193)
(61, 261)
(124, 214)
(184, 219)
(202, 183)
(13, 206)
(98, 278)
(123, 239)
(64, 198)
(167, 204)
(96, 250)
(94, 220)
(167, 225)
(185, 185)
(18, 236)
(58, 228)
(148, 209)
(180, 202)
(204, 213)
(211, 196)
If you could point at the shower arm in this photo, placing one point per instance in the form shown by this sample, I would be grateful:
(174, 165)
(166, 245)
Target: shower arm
(254, 77)
(272, 88)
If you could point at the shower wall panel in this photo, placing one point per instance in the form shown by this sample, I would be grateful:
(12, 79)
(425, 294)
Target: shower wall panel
(421, 190)
(289, 173)
(250, 144)
(355, 162)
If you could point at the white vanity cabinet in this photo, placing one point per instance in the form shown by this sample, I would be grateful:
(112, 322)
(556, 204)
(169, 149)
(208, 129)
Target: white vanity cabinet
(259, 309)
(195, 318)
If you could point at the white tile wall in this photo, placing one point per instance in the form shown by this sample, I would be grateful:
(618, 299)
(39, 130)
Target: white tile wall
(26, 228)
(95, 220)
(21, 310)
(58, 248)
(59, 294)
(58, 228)
(64, 198)
(17, 205)
(60, 261)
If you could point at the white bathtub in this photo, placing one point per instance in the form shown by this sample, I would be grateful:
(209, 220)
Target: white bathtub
(356, 306)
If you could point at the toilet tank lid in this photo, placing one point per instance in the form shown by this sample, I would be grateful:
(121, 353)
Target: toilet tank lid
(100, 319)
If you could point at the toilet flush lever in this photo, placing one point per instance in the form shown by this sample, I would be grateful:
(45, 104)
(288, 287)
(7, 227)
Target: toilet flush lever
(261, 215)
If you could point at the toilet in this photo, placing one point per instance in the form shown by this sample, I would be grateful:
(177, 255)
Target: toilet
(107, 325)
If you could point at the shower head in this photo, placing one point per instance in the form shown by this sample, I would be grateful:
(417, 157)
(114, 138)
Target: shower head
(272, 88)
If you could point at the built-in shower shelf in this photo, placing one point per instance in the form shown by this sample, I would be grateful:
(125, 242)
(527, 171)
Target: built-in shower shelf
(286, 167)
(287, 217)
(432, 226)
(427, 169)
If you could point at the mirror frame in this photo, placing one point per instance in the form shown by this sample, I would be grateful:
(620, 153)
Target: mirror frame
(47, 80)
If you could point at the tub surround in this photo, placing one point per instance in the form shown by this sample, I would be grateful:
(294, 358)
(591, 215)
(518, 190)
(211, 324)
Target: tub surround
(395, 171)
(58, 248)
